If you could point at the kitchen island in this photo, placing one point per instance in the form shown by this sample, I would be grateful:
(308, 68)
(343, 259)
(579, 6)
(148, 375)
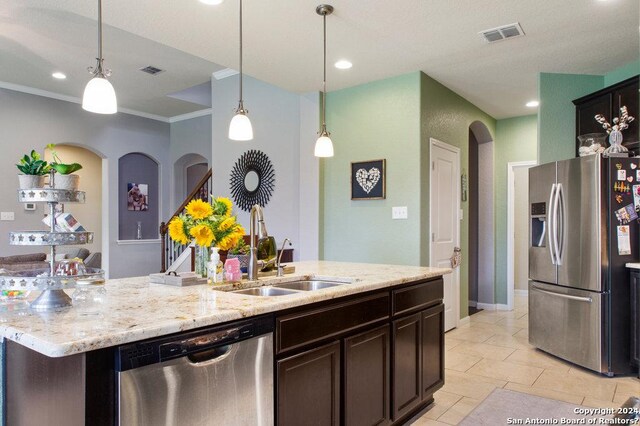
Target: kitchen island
(383, 304)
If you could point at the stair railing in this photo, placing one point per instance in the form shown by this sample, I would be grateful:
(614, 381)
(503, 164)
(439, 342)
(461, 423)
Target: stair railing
(171, 250)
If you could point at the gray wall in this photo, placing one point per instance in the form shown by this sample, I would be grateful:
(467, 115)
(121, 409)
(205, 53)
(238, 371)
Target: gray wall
(30, 121)
(190, 144)
(275, 115)
(140, 169)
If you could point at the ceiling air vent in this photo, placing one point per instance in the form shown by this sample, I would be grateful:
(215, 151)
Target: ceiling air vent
(502, 33)
(150, 69)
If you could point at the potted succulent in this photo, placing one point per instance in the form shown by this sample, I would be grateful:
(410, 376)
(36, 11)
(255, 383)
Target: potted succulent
(34, 169)
(65, 179)
(241, 251)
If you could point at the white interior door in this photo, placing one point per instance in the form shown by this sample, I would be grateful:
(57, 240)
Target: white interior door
(444, 221)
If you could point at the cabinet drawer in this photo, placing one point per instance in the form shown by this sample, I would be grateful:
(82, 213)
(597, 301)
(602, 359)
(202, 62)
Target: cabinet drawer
(417, 296)
(298, 329)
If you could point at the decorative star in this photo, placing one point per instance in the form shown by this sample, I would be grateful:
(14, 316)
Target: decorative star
(32, 194)
(32, 238)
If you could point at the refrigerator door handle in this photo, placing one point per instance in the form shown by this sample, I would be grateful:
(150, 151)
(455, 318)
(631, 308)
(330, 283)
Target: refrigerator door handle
(550, 223)
(563, 296)
(558, 222)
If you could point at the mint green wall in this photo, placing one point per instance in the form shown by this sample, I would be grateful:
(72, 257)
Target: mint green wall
(446, 116)
(557, 114)
(516, 140)
(367, 122)
(624, 72)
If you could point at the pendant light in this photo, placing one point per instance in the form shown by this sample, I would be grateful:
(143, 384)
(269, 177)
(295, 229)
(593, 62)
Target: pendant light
(324, 146)
(240, 127)
(99, 96)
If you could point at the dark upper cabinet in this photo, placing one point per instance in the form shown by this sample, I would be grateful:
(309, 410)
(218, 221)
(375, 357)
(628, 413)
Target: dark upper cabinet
(608, 102)
(635, 318)
(366, 378)
(309, 387)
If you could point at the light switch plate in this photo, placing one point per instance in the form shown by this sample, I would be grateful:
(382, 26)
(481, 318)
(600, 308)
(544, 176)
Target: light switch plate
(399, 212)
(7, 216)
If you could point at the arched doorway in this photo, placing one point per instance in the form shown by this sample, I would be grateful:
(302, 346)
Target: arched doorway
(188, 170)
(90, 214)
(481, 219)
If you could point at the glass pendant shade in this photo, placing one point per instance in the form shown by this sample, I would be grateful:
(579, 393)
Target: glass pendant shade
(240, 128)
(324, 146)
(99, 97)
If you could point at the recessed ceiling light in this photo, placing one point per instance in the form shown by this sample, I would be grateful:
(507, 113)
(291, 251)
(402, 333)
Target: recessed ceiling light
(58, 75)
(532, 104)
(343, 64)
(211, 2)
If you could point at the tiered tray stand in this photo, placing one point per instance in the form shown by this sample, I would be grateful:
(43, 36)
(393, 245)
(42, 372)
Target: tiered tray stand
(52, 286)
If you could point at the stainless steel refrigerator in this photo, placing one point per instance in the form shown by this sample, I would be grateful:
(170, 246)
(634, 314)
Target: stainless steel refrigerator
(583, 229)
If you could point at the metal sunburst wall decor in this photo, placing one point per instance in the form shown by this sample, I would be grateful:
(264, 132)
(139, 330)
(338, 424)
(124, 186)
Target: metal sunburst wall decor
(253, 180)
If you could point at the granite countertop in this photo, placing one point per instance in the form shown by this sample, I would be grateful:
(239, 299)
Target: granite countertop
(633, 265)
(136, 310)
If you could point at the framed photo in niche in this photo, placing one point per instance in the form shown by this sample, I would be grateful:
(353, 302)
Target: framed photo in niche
(368, 180)
(137, 197)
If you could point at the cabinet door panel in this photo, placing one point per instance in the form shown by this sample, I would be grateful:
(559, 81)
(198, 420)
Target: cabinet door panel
(367, 374)
(585, 113)
(628, 96)
(635, 318)
(406, 364)
(309, 387)
(432, 350)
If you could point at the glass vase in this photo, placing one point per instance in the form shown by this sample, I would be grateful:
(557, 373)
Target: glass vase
(202, 258)
(616, 149)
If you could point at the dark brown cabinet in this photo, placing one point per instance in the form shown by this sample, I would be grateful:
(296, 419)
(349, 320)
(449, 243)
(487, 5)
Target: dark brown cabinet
(369, 359)
(635, 318)
(309, 387)
(407, 372)
(366, 378)
(608, 102)
(432, 350)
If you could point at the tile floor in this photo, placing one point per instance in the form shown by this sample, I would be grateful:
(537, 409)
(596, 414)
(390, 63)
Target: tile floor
(492, 351)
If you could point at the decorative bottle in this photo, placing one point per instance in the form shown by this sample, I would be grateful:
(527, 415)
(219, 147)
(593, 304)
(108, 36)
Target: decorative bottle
(214, 267)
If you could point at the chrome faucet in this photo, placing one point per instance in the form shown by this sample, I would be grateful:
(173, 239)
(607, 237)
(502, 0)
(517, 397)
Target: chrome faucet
(256, 213)
(279, 266)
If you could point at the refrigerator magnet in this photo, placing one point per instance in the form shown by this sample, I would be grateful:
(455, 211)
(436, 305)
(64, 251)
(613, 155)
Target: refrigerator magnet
(618, 166)
(619, 197)
(638, 175)
(634, 166)
(636, 196)
(624, 242)
(631, 212)
(622, 174)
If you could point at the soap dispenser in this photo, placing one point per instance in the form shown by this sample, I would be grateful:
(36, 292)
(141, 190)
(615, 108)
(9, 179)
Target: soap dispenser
(214, 267)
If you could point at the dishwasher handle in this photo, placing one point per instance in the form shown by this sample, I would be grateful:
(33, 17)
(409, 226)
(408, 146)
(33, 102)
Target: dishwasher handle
(199, 343)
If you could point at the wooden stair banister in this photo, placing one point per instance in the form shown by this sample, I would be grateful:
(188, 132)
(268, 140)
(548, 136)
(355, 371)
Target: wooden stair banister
(169, 251)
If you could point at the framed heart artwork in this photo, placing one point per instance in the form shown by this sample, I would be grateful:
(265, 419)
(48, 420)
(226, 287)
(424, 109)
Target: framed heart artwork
(368, 180)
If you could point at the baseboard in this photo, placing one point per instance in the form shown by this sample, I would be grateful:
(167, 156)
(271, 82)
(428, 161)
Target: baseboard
(486, 306)
(464, 321)
(472, 303)
(521, 292)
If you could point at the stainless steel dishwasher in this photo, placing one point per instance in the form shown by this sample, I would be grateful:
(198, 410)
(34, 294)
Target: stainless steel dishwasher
(216, 376)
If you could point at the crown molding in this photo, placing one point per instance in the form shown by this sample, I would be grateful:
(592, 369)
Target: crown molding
(227, 72)
(190, 115)
(75, 100)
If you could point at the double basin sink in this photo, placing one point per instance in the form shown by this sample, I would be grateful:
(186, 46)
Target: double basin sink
(287, 288)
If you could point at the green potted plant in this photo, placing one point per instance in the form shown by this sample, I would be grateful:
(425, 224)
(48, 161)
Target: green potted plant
(34, 169)
(241, 251)
(64, 179)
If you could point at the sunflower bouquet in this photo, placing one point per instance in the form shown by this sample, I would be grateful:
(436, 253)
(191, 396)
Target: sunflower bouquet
(209, 224)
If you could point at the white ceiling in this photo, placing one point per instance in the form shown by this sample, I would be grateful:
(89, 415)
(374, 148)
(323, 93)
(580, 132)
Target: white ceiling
(283, 45)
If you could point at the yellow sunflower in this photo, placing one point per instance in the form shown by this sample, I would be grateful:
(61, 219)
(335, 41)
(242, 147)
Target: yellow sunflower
(199, 209)
(203, 235)
(176, 231)
(227, 203)
(227, 223)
